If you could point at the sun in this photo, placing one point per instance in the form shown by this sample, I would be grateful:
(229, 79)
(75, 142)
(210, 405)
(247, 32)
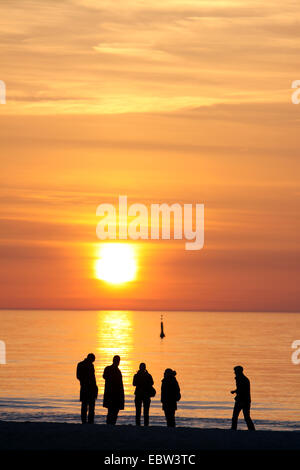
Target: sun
(116, 263)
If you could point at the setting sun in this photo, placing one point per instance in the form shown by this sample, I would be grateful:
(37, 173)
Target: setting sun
(116, 263)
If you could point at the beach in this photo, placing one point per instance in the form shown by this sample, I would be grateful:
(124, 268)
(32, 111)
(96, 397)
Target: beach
(38, 382)
(119, 439)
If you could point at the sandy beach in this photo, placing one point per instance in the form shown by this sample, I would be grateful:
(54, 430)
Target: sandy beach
(61, 436)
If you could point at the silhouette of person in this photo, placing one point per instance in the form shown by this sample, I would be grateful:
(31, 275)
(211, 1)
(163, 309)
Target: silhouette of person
(113, 398)
(242, 399)
(143, 382)
(170, 395)
(88, 388)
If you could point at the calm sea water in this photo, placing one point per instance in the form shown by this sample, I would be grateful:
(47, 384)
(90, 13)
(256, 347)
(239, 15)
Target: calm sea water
(43, 348)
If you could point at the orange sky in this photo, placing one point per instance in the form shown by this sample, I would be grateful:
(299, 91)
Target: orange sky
(171, 101)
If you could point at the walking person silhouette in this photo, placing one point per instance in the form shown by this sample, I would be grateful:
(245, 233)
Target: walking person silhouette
(85, 373)
(113, 398)
(170, 395)
(144, 390)
(242, 399)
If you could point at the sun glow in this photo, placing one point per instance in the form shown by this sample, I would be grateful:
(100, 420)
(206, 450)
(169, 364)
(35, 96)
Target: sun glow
(116, 263)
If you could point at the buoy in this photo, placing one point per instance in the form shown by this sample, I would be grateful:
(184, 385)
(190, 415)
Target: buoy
(162, 334)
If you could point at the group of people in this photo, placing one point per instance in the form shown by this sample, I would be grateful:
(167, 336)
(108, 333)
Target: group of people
(113, 398)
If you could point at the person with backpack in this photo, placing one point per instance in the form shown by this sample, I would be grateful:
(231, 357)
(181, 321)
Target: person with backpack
(143, 383)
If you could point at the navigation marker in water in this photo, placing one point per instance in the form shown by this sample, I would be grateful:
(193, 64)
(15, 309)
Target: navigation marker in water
(162, 334)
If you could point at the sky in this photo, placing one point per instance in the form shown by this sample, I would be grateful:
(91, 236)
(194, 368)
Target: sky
(173, 101)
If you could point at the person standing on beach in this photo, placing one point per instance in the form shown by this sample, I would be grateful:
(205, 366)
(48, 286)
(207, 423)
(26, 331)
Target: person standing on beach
(113, 398)
(88, 388)
(143, 382)
(170, 395)
(242, 399)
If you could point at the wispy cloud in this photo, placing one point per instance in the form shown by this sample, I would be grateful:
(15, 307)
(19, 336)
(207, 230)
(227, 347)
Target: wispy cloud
(114, 57)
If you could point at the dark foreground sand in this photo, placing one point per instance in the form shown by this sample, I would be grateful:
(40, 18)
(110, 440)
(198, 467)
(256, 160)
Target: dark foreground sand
(56, 436)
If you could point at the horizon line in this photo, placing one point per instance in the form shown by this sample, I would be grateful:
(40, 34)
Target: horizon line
(145, 310)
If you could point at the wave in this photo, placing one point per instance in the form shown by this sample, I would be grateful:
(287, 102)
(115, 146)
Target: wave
(68, 411)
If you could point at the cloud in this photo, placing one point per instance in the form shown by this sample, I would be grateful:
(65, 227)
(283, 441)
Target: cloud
(90, 56)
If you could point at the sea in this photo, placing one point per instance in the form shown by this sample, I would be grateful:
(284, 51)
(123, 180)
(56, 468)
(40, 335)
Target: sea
(40, 350)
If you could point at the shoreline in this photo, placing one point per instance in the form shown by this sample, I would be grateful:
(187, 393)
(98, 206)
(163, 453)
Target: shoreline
(46, 436)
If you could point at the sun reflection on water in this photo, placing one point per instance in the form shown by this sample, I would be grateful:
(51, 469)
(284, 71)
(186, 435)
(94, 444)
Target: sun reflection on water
(115, 336)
